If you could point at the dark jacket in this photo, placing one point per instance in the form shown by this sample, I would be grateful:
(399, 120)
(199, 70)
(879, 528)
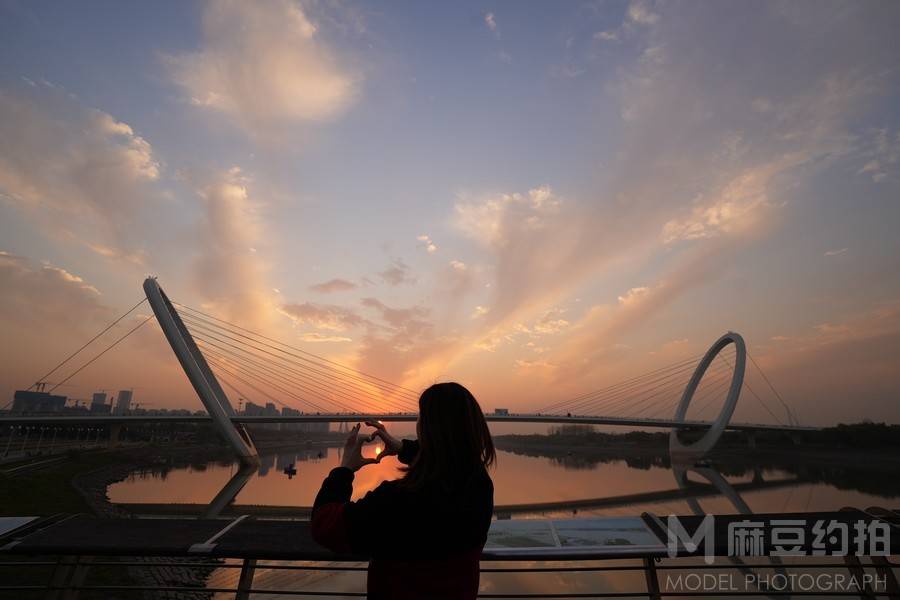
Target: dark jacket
(423, 543)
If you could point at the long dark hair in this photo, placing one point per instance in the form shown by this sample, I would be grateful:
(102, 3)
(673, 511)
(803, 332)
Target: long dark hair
(454, 439)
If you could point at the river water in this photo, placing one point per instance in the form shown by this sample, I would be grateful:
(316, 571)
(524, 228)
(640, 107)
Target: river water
(596, 488)
(520, 479)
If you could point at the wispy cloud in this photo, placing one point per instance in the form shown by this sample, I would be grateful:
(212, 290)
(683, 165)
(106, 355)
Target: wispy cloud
(228, 274)
(491, 21)
(640, 12)
(263, 64)
(427, 243)
(319, 338)
(333, 285)
(606, 36)
(77, 170)
(46, 296)
(398, 273)
(323, 316)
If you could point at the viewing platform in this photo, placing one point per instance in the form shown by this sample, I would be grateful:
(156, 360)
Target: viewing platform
(60, 556)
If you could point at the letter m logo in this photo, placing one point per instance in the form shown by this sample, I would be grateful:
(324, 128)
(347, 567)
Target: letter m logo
(679, 537)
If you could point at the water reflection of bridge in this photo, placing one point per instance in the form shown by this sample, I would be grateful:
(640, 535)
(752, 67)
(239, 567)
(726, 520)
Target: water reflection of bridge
(692, 490)
(687, 490)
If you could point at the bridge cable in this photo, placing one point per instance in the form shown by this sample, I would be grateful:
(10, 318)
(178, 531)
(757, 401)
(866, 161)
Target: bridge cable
(405, 404)
(632, 402)
(249, 358)
(273, 367)
(792, 419)
(241, 395)
(663, 393)
(633, 386)
(555, 406)
(247, 367)
(669, 387)
(320, 358)
(108, 348)
(760, 400)
(329, 372)
(614, 387)
(223, 359)
(673, 402)
(622, 390)
(250, 374)
(627, 392)
(615, 404)
(712, 395)
(89, 342)
(300, 381)
(253, 371)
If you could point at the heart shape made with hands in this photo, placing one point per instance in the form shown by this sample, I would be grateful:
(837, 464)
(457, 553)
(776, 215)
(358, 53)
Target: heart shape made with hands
(354, 460)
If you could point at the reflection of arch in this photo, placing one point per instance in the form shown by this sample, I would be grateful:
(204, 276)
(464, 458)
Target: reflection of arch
(229, 491)
(711, 437)
(716, 480)
(680, 470)
(198, 372)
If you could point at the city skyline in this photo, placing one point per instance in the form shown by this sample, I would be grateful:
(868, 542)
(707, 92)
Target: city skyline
(535, 200)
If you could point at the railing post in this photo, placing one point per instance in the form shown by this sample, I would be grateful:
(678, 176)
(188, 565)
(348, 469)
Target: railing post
(60, 577)
(884, 569)
(650, 576)
(245, 583)
(857, 572)
(79, 574)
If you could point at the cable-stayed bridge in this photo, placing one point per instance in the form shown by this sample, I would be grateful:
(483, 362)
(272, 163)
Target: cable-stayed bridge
(216, 354)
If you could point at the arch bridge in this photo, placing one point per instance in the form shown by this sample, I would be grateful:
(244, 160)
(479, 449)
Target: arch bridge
(210, 349)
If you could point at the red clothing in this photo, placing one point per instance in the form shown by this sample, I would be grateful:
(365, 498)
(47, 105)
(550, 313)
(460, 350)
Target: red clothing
(424, 544)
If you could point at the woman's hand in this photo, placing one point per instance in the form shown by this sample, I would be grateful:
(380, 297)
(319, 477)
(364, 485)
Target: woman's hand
(353, 458)
(392, 445)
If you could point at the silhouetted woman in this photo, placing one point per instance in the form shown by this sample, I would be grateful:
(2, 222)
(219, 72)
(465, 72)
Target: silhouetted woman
(424, 532)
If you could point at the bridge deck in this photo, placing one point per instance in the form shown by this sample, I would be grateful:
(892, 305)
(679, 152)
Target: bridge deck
(393, 417)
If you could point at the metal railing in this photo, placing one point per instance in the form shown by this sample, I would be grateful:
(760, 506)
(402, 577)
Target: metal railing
(71, 577)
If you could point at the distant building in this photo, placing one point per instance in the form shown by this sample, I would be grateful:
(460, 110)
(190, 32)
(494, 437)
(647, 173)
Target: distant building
(271, 411)
(252, 409)
(266, 462)
(123, 402)
(99, 405)
(291, 412)
(504, 412)
(25, 401)
(100, 408)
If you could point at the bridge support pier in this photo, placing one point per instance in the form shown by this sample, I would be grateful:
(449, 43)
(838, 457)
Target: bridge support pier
(758, 476)
(114, 431)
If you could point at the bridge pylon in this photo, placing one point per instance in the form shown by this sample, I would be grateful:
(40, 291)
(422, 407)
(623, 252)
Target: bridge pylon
(199, 374)
(706, 443)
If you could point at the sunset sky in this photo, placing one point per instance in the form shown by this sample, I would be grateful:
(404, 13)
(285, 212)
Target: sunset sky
(534, 199)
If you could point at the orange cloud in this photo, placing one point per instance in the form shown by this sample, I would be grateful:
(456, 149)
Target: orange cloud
(263, 64)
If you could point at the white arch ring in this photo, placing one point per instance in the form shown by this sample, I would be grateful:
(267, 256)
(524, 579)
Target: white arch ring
(711, 437)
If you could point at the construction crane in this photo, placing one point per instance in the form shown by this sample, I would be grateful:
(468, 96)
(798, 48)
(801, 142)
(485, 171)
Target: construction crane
(40, 386)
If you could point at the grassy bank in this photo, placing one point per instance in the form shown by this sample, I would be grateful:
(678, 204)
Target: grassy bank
(49, 490)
